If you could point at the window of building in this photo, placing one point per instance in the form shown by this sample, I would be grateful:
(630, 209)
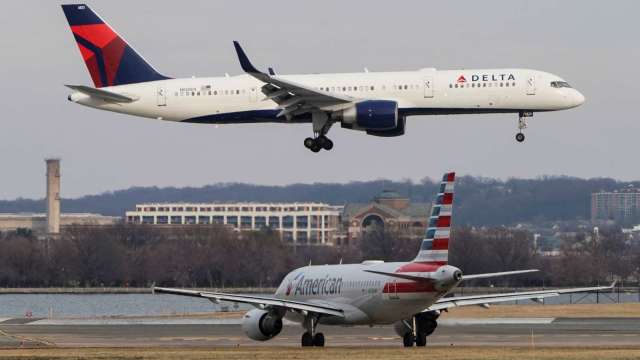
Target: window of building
(162, 220)
(261, 222)
(189, 220)
(232, 220)
(274, 222)
(302, 221)
(147, 219)
(287, 236)
(245, 222)
(301, 237)
(218, 219)
(287, 222)
(176, 220)
(204, 220)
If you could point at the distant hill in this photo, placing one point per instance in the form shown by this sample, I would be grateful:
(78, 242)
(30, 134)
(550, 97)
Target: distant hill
(479, 201)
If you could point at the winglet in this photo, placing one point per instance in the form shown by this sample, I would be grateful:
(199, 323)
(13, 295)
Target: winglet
(246, 65)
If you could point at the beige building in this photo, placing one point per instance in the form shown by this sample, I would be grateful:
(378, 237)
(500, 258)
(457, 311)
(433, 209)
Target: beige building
(298, 223)
(389, 210)
(39, 225)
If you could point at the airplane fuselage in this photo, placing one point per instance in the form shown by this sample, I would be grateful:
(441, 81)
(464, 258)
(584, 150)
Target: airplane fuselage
(367, 298)
(238, 99)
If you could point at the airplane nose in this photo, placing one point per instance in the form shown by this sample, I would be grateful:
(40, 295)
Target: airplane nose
(578, 98)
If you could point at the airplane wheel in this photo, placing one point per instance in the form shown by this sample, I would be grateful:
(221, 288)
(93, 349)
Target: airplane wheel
(519, 137)
(315, 148)
(307, 339)
(318, 340)
(421, 339)
(309, 142)
(328, 144)
(407, 340)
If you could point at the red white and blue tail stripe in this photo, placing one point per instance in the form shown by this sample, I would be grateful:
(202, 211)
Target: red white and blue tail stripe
(435, 246)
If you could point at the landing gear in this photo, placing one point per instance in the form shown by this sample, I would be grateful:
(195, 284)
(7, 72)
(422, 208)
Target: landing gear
(307, 340)
(522, 124)
(310, 337)
(423, 325)
(318, 340)
(319, 143)
(407, 340)
(321, 125)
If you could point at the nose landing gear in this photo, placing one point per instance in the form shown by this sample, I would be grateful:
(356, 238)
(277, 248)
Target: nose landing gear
(522, 124)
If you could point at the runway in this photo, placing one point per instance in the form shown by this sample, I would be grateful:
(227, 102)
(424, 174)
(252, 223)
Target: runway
(561, 332)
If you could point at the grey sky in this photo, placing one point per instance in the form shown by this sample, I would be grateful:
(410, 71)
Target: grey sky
(591, 44)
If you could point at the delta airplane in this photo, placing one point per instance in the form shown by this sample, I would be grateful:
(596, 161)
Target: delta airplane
(410, 295)
(377, 103)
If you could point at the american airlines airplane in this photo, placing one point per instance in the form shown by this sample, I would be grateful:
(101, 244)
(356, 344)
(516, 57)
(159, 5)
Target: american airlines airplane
(377, 103)
(409, 295)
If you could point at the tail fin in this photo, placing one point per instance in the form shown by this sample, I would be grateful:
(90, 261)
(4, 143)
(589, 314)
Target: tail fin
(435, 246)
(109, 59)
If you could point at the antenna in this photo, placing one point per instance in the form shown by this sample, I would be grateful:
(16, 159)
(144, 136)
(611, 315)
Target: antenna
(366, 70)
(340, 261)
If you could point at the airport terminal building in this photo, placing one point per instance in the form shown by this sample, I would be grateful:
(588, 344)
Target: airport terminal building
(298, 223)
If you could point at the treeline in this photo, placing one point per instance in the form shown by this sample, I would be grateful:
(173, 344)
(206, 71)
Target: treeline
(214, 256)
(479, 201)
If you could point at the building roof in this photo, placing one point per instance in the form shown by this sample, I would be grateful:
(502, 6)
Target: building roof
(413, 210)
(389, 194)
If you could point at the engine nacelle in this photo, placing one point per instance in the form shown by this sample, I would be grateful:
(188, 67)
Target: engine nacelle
(261, 325)
(370, 115)
(397, 131)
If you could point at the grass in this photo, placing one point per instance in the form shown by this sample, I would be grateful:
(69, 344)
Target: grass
(534, 311)
(351, 353)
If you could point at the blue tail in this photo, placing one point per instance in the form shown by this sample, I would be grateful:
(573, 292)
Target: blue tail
(109, 59)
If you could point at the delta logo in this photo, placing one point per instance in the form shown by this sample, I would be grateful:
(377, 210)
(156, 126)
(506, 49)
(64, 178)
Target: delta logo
(461, 79)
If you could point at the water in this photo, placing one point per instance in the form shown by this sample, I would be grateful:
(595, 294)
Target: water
(107, 305)
(101, 305)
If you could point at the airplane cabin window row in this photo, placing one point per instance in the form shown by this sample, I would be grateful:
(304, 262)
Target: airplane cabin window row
(482, 85)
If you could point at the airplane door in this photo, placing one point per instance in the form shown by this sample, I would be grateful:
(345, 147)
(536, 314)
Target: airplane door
(161, 96)
(428, 86)
(531, 85)
(393, 290)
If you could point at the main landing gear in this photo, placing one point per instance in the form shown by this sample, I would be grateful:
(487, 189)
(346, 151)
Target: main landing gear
(423, 325)
(522, 124)
(318, 143)
(321, 125)
(311, 337)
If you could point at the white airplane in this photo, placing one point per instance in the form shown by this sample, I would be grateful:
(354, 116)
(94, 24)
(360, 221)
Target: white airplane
(375, 102)
(409, 295)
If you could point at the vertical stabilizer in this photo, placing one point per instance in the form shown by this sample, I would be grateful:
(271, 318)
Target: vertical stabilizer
(435, 246)
(109, 59)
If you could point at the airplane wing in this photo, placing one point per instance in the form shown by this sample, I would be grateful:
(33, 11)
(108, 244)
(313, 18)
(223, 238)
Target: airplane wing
(451, 302)
(496, 274)
(417, 277)
(293, 98)
(102, 94)
(258, 301)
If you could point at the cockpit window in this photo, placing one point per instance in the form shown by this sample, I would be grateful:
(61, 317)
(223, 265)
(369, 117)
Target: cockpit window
(560, 84)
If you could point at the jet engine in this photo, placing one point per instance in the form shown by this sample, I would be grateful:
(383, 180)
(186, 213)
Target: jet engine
(261, 325)
(376, 117)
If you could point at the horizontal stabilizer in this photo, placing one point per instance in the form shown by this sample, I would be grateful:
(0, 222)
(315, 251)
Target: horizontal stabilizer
(496, 274)
(102, 94)
(400, 275)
